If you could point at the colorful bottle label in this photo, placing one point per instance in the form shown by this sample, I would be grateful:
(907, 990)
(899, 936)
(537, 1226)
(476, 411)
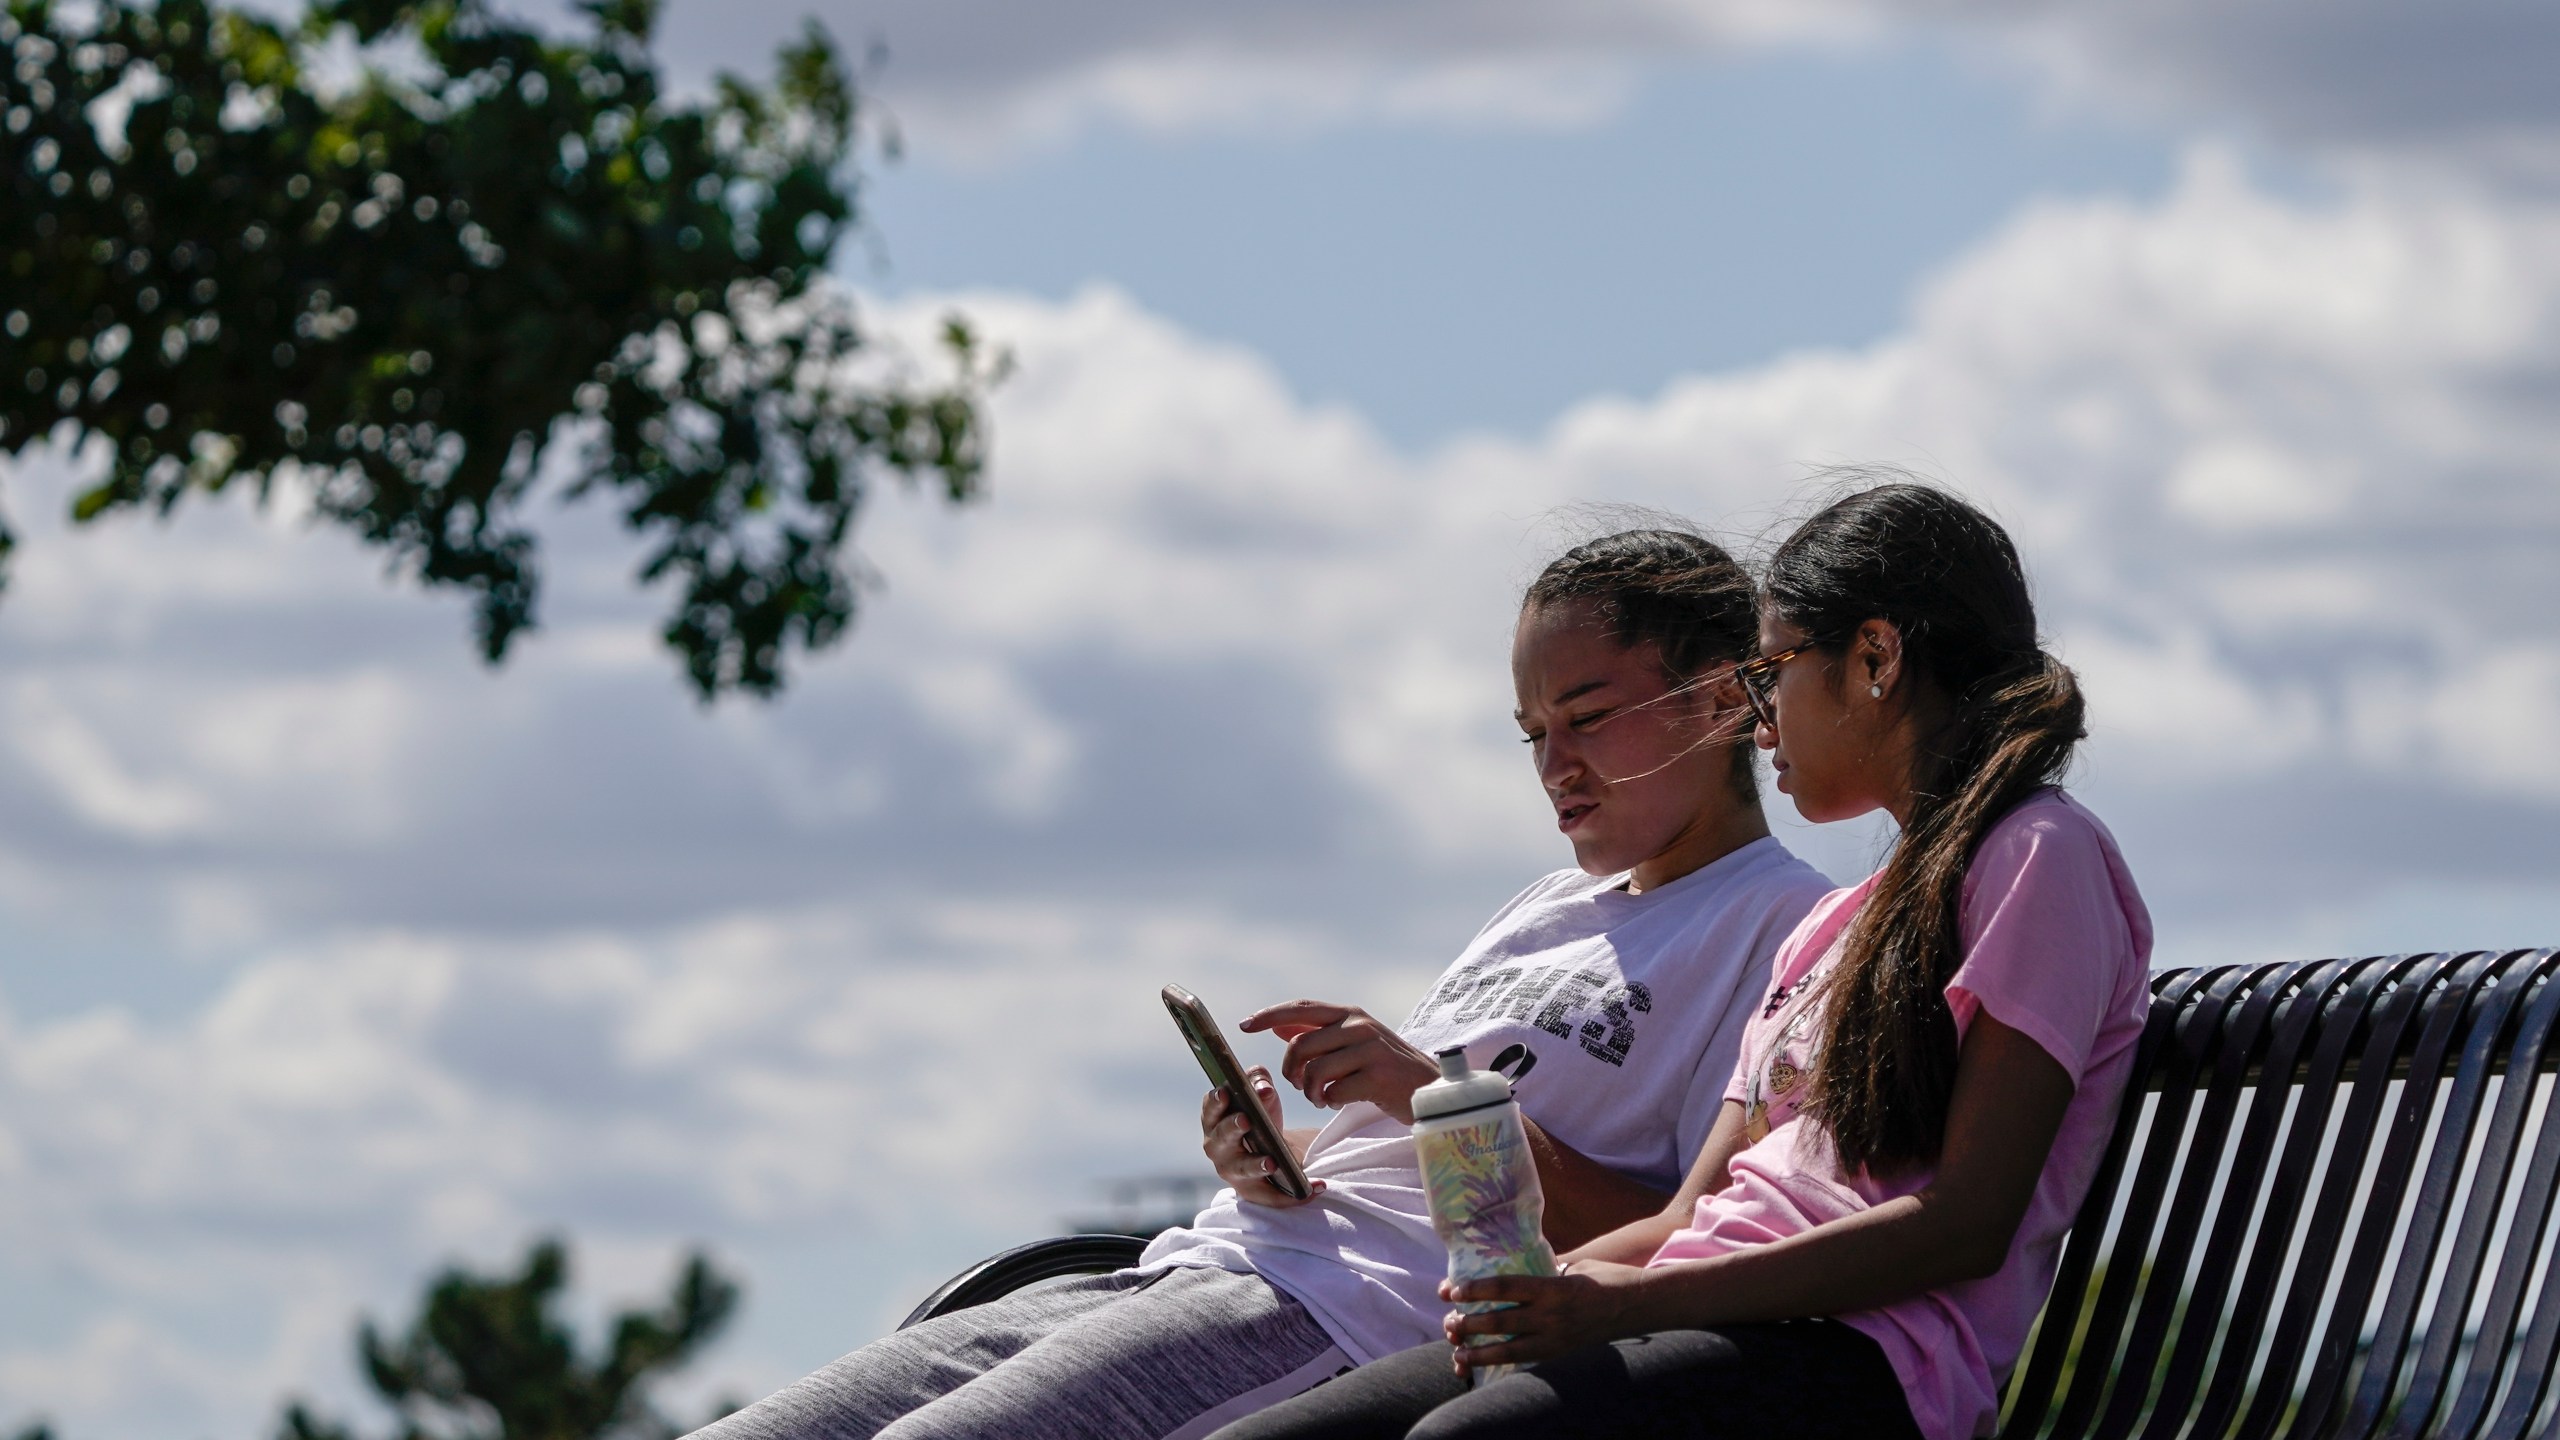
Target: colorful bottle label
(1487, 1206)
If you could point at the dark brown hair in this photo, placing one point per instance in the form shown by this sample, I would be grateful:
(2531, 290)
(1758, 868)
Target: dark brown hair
(1998, 720)
(1673, 589)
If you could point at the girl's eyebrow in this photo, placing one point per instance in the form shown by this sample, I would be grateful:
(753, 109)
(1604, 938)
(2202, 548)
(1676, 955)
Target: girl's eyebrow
(1567, 697)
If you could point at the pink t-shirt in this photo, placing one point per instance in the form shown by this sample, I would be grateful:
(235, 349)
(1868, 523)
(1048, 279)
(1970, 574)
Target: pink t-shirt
(2057, 946)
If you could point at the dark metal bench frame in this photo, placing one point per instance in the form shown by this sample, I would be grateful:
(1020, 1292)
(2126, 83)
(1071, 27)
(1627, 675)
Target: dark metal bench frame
(2326, 1211)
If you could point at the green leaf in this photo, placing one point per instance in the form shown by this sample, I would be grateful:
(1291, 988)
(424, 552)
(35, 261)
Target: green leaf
(616, 292)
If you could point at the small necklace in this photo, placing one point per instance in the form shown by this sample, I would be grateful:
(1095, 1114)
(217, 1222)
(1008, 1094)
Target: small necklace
(1779, 997)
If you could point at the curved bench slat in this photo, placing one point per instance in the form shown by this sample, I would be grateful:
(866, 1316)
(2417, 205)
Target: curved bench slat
(2259, 1231)
(2428, 1218)
(1052, 1259)
(2387, 997)
(2443, 1002)
(2539, 1001)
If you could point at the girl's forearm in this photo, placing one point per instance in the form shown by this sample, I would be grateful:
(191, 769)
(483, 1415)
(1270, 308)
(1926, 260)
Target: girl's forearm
(1632, 1243)
(1892, 1252)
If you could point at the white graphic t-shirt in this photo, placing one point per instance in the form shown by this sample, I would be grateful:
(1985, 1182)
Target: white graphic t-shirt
(1617, 1017)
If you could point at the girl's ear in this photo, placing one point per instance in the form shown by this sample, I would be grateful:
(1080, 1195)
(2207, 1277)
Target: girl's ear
(1875, 658)
(1726, 699)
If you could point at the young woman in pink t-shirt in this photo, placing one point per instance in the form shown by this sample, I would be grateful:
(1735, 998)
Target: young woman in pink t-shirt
(1925, 1090)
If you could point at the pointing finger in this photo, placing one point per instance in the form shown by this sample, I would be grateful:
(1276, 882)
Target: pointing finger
(1306, 1013)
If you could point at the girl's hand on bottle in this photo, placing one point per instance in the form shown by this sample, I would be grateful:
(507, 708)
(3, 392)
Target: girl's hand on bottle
(1339, 1054)
(1549, 1314)
(1229, 1145)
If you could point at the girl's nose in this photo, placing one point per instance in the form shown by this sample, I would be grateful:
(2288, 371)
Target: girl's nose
(1558, 762)
(1764, 734)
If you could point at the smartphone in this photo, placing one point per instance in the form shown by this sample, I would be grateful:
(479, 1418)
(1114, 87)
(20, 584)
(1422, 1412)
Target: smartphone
(1209, 1045)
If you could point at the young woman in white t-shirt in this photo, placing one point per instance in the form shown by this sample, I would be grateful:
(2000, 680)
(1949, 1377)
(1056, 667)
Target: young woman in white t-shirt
(1924, 1094)
(1613, 994)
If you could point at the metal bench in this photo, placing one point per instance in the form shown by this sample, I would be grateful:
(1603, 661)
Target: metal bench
(2326, 1211)
(1025, 1265)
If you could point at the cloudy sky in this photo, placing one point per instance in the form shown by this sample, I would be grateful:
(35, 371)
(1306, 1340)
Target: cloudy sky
(335, 956)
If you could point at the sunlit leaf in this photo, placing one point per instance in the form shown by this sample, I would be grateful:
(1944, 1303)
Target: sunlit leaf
(255, 275)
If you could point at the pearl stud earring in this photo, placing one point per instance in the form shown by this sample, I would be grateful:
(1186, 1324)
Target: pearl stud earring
(1876, 690)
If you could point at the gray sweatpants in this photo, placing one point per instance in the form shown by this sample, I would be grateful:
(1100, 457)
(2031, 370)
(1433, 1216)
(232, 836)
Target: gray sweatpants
(1163, 1356)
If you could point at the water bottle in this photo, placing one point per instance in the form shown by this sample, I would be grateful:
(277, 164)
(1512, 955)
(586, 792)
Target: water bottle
(1482, 1182)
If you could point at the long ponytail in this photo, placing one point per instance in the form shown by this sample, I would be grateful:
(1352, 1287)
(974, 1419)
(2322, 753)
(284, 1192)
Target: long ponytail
(2001, 718)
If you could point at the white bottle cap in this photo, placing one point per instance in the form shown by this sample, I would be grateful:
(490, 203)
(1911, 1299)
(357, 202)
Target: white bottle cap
(1459, 1088)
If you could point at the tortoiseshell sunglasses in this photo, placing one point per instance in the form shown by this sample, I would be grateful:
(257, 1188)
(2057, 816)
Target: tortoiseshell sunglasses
(1759, 677)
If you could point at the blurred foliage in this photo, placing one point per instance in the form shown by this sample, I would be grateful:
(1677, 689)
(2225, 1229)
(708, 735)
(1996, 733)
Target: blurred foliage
(488, 1359)
(477, 257)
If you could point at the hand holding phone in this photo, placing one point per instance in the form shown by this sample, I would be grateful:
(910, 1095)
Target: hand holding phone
(1227, 1140)
(1238, 1121)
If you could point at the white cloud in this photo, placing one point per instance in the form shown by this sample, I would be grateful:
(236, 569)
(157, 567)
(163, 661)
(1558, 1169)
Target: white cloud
(2466, 81)
(2487, 722)
(2159, 696)
(1212, 687)
(121, 1364)
(975, 75)
(1022, 753)
(1226, 87)
(132, 756)
(2247, 485)
(92, 780)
